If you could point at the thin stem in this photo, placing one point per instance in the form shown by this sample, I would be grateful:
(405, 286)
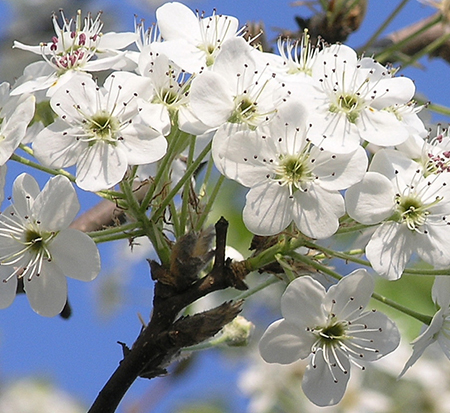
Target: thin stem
(176, 142)
(386, 53)
(336, 254)
(42, 168)
(114, 230)
(187, 175)
(115, 237)
(186, 189)
(383, 26)
(427, 50)
(210, 203)
(257, 288)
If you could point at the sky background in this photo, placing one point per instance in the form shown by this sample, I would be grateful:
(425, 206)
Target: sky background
(79, 354)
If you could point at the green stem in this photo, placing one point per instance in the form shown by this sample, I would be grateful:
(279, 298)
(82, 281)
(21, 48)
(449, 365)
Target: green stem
(114, 230)
(427, 50)
(149, 228)
(175, 141)
(187, 175)
(115, 237)
(433, 272)
(42, 168)
(210, 203)
(383, 26)
(347, 256)
(257, 288)
(186, 190)
(386, 53)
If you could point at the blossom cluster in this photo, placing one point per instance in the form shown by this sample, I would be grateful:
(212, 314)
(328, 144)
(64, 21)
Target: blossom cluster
(322, 138)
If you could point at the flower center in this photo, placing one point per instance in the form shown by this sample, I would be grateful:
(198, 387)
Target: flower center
(349, 105)
(102, 126)
(332, 333)
(245, 110)
(293, 170)
(412, 211)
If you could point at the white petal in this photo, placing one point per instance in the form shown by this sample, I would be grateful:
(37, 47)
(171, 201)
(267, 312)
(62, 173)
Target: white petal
(285, 343)
(176, 21)
(337, 172)
(244, 157)
(351, 293)
(397, 90)
(142, 145)
(301, 303)
(428, 337)
(268, 209)
(320, 386)
(390, 249)
(7, 289)
(381, 128)
(441, 291)
(316, 212)
(211, 99)
(371, 200)
(432, 244)
(374, 335)
(47, 293)
(57, 204)
(56, 146)
(25, 190)
(101, 167)
(76, 254)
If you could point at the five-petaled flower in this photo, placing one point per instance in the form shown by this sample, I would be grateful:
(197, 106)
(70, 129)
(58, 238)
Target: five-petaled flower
(38, 248)
(333, 327)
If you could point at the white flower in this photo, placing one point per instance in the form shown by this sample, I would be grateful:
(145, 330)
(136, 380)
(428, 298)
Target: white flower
(439, 328)
(99, 130)
(169, 90)
(411, 208)
(356, 99)
(16, 112)
(193, 41)
(332, 326)
(77, 46)
(38, 247)
(236, 90)
(289, 178)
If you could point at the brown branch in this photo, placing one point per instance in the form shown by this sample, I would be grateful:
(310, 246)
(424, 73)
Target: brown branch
(160, 342)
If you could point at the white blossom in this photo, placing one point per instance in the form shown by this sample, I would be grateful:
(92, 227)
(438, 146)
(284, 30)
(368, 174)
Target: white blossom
(99, 130)
(333, 328)
(411, 208)
(79, 45)
(355, 99)
(193, 41)
(290, 179)
(439, 328)
(38, 248)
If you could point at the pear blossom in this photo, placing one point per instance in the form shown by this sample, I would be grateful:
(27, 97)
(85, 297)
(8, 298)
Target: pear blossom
(355, 99)
(78, 46)
(237, 89)
(290, 179)
(16, 112)
(193, 41)
(38, 248)
(412, 209)
(99, 130)
(439, 328)
(333, 327)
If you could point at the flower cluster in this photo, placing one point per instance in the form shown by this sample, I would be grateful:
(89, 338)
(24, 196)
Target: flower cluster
(324, 140)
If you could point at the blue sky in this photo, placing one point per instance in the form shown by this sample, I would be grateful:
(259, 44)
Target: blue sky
(81, 353)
